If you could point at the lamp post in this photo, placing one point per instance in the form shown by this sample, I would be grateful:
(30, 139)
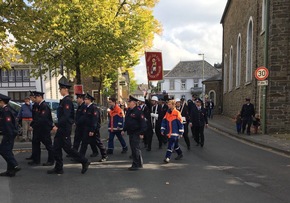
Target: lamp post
(202, 76)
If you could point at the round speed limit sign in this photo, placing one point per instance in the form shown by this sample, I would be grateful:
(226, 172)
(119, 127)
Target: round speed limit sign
(261, 73)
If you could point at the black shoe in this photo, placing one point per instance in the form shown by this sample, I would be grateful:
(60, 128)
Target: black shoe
(103, 159)
(166, 160)
(33, 163)
(133, 168)
(124, 151)
(54, 171)
(85, 167)
(94, 154)
(13, 171)
(201, 145)
(179, 157)
(188, 148)
(148, 149)
(6, 173)
(28, 158)
(48, 164)
(74, 160)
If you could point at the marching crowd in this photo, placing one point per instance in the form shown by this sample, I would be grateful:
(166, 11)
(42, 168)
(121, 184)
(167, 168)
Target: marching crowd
(145, 116)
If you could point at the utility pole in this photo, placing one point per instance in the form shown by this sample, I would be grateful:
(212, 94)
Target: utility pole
(203, 99)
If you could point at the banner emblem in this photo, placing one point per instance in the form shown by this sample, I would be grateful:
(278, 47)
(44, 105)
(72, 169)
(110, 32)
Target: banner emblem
(154, 66)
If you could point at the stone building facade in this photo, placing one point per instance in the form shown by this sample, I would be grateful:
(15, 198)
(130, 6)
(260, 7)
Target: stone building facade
(245, 40)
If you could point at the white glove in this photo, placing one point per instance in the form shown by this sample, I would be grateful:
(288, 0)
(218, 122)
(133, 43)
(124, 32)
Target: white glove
(154, 115)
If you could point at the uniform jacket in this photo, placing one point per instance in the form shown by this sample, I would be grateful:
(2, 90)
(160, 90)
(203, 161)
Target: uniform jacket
(34, 113)
(198, 117)
(184, 112)
(43, 120)
(80, 115)
(65, 113)
(248, 110)
(135, 123)
(161, 111)
(172, 124)
(116, 119)
(91, 118)
(8, 124)
(146, 111)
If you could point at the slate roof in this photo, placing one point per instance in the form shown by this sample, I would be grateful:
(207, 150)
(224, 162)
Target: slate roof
(192, 69)
(217, 77)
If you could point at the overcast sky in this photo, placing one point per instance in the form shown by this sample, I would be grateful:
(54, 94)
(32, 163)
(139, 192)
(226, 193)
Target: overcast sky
(190, 27)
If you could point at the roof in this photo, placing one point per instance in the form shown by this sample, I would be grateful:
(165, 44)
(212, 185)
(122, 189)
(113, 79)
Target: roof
(225, 11)
(192, 69)
(217, 77)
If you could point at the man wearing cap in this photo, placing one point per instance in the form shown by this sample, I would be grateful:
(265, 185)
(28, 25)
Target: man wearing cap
(149, 132)
(135, 126)
(80, 122)
(91, 133)
(42, 126)
(115, 126)
(65, 115)
(198, 120)
(247, 114)
(25, 116)
(181, 106)
(9, 132)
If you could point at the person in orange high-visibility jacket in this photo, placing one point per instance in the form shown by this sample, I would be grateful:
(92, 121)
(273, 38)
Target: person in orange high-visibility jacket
(172, 127)
(115, 126)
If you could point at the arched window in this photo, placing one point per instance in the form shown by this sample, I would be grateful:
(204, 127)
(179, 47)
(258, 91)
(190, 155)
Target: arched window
(231, 69)
(238, 63)
(225, 72)
(249, 58)
(212, 96)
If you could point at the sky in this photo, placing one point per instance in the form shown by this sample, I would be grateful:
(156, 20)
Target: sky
(190, 27)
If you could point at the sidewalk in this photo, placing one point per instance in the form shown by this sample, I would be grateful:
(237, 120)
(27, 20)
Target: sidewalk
(227, 125)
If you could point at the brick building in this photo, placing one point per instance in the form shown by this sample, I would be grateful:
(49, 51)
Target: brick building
(256, 33)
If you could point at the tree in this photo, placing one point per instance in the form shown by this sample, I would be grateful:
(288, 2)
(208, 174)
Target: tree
(90, 37)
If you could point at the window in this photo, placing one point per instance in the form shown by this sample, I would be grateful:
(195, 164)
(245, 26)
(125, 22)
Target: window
(183, 84)
(249, 57)
(4, 76)
(231, 69)
(26, 74)
(225, 72)
(18, 75)
(195, 83)
(11, 76)
(238, 63)
(171, 85)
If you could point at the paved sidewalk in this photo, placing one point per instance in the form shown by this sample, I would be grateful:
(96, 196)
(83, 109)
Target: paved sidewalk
(227, 125)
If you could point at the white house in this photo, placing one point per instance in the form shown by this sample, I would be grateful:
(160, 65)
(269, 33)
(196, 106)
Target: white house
(186, 79)
(17, 82)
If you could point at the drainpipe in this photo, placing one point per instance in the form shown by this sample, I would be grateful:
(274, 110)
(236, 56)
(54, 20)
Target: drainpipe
(266, 63)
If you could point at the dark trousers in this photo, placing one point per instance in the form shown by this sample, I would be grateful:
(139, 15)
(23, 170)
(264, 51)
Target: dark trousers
(94, 142)
(239, 127)
(173, 145)
(185, 135)
(79, 132)
(194, 135)
(210, 113)
(199, 133)
(62, 141)
(100, 145)
(148, 135)
(136, 151)
(247, 121)
(6, 152)
(161, 139)
(42, 136)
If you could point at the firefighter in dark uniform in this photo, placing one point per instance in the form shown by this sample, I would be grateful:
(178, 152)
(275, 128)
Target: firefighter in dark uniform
(34, 110)
(91, 133)
(42, 126)
(198, 120)
(149, 132)
(9, 132)
(80, 122)
(65, 115)
(247, 114)
(135, 126)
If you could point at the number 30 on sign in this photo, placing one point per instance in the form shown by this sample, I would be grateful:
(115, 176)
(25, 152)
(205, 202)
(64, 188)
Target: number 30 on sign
(261, 73)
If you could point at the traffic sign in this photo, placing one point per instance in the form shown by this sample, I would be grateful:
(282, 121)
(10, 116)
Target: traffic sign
(263, 83)
(261, 73)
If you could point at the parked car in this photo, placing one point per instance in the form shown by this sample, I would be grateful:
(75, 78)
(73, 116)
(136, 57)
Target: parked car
(52, 103)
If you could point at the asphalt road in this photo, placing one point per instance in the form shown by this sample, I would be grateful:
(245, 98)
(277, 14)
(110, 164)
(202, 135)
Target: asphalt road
(225, 170)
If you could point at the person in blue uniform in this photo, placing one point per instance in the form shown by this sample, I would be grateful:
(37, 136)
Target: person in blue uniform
(115, 126)
(42, 126)
(79, 122)
(172, 127)
(9, 132)
(198, 120)
(91, 133)
(65, 115)
(135, 126)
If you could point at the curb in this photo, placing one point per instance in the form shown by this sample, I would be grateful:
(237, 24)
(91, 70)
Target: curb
(275, 149)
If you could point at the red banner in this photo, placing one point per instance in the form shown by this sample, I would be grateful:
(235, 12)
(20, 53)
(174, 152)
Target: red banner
(154, 65)
(78, 89)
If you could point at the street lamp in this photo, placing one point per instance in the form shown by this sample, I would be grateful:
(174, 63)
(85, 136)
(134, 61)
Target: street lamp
(202, 76)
